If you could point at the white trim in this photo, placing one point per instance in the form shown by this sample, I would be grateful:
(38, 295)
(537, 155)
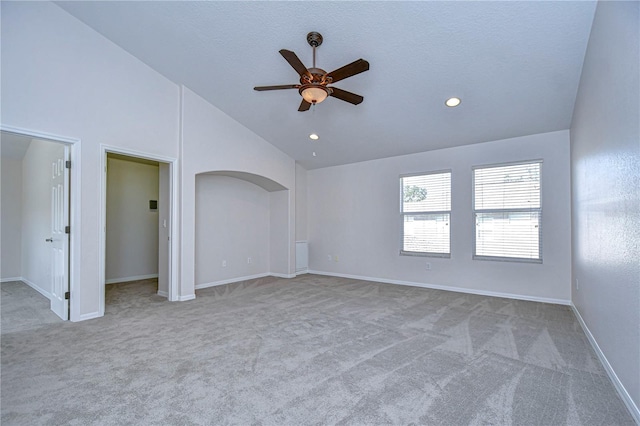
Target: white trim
(135, 153)
(6, 280)
(248, 277)
(174, 232)
(127, 279)
(186, 298)
(274, 274)
(75, 213)
(43, 292)
(302, 272)
(229, 281)
(622, 391)
(173, 208)
(38, 135)
(177, 249)
(89, 316)
(163, 294)
(449, 288)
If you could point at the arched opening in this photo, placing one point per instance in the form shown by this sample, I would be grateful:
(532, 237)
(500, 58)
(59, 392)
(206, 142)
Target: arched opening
(241, 228)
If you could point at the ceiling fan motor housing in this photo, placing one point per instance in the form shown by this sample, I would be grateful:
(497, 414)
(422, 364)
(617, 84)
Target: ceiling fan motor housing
(314, 39)
(315, 75)
(314, 85)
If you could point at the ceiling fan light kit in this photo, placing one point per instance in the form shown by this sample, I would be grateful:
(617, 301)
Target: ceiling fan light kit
(314, 81)
(313, 94)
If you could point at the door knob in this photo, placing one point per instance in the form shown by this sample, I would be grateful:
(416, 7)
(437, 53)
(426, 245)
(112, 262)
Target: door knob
(49, 240)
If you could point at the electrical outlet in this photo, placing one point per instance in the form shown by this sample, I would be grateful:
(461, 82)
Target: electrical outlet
(577, 285)
(329, 257)
(428, 266)
(336, 258)
(224, 263)
(249, 260)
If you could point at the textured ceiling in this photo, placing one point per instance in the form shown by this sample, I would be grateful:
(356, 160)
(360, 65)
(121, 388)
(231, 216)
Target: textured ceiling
(516, 66)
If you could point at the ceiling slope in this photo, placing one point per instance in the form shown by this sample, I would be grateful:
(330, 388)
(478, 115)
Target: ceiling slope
(515, 65)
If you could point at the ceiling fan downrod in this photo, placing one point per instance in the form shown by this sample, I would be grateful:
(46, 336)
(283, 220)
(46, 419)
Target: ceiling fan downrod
(315, 40)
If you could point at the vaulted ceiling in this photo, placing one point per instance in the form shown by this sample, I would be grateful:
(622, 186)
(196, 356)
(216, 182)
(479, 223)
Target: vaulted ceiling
(515, 65)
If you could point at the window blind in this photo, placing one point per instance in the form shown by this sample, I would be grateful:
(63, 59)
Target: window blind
(508, 211)
(426, 211)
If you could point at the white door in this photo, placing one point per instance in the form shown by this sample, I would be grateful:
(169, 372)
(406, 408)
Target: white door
(59, 237)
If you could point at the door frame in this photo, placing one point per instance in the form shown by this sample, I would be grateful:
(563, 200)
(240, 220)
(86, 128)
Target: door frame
(173, 219)
(75, 249)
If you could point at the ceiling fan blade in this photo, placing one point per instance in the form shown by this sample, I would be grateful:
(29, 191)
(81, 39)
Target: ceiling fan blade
(355, 67)
(295, 62)
(284, 86)
(304, 106)
(343, 95)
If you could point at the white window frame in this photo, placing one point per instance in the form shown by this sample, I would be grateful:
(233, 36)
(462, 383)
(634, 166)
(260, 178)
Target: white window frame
(403, 214)
(475, 211)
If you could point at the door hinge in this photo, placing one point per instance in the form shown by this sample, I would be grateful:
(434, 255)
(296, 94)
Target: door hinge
(67, 229)
(67, 164)
(67, 295)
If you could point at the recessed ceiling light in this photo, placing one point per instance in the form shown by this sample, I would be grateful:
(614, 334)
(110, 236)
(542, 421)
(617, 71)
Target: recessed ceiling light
(314, 136)
(453, 102)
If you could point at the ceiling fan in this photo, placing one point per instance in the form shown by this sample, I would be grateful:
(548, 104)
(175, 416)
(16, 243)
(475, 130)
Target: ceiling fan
(314, 81)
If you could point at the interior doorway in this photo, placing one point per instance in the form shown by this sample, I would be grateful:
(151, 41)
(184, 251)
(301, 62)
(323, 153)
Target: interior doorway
(39, 214)
(138, 215)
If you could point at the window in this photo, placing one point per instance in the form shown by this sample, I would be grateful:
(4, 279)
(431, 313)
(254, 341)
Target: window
(507, 210)
(425, 208)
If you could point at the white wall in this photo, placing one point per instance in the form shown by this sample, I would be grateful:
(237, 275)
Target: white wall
(36, 212)
(132, 229)
(281, 237)
(63, 78)
(232, 222)
(11, 218)
(354, 214)
(301, 203)
(212, 141)
(605, 161)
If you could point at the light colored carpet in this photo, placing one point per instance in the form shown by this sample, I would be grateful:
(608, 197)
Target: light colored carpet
(22, 308)
(309, 350)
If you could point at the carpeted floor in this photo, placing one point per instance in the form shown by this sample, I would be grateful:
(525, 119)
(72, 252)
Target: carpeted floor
(309, 350)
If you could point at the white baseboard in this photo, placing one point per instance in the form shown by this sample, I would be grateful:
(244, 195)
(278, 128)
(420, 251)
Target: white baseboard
(275, 274)
(6, 280)
(187, 297)
(302, 272)
(89, 316)
(622, 391)
(448, 288)
(127, 279)
(230, 280)
(163, 293)
(43, 292)
(245, 278)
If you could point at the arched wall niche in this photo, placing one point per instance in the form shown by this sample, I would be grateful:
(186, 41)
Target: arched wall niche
(241, 227)
(265, 183)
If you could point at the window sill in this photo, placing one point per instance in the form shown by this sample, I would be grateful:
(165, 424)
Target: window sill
(421, 254)
(507, 259)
